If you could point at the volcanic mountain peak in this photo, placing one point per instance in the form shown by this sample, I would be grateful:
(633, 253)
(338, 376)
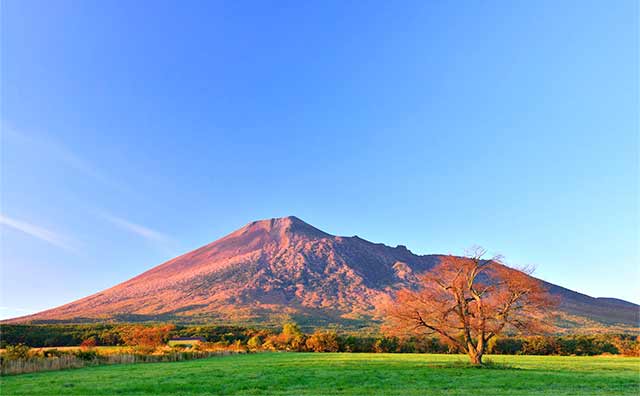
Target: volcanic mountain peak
(283, 227)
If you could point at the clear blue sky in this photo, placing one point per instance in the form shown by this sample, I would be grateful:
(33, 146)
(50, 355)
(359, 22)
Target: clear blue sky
(136, 131)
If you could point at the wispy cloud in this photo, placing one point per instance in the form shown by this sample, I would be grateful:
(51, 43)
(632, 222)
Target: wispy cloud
(38, 232)
(140, 230)
(58, 153)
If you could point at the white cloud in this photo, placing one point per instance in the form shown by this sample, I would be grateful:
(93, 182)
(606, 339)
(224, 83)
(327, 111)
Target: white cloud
(56, 152)
(38, 232)
(145, 232)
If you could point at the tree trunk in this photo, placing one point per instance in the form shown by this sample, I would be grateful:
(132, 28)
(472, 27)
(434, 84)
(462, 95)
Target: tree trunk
(476, 359)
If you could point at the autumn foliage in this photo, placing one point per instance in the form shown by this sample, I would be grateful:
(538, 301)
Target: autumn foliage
(467, 301)
(146, 337)
(88, 343)
(323, 341)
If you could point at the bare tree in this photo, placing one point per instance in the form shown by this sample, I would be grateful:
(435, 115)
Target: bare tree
(468, 300)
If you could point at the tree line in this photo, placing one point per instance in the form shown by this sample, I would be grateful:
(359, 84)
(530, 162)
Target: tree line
(291, 338)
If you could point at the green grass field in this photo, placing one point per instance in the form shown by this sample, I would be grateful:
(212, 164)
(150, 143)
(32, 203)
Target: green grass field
(342, 374)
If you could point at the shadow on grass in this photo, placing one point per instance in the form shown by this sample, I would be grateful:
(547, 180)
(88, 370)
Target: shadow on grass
(488, 364)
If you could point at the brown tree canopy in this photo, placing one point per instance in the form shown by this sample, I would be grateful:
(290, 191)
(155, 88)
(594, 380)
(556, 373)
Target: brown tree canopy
(467, 301)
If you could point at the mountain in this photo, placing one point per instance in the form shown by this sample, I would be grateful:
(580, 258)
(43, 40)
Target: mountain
(286, 268)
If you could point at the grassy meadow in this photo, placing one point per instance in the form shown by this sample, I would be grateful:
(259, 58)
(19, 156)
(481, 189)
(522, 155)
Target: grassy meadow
(342, 374)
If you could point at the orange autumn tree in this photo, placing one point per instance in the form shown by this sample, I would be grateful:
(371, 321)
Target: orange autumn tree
(146, 338)
(467, 301)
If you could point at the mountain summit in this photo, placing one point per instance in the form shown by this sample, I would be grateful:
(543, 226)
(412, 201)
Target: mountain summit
(283, 267)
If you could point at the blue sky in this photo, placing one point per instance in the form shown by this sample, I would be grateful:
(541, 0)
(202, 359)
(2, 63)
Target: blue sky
(136, 131)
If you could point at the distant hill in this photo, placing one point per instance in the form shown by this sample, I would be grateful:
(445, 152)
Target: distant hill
(285, 268)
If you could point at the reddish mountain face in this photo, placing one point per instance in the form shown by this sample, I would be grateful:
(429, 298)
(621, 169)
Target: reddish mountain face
(281, 267)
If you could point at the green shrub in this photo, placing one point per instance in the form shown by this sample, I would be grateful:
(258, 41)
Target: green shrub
(505, 346)
(86, 355)
(19, 351)
(385, 345)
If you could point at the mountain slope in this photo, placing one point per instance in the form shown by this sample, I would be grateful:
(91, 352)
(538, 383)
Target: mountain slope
(283, 266)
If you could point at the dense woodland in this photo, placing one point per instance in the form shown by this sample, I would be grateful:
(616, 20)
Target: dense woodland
(292, 339)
